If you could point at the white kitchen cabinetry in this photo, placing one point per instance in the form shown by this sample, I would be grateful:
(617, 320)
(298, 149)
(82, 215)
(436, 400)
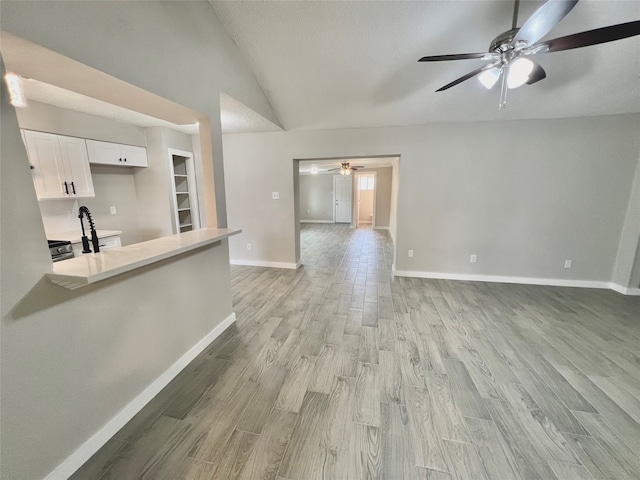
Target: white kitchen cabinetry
(59, 165)
(107, 153)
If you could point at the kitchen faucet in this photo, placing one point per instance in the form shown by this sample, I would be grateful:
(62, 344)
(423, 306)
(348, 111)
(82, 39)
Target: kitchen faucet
(94, 237)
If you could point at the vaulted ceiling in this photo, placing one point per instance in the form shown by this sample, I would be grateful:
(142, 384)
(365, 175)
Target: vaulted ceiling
(347, 64)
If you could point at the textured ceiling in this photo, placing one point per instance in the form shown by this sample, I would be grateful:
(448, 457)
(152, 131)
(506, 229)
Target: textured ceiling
(354, 64)
(237, 117)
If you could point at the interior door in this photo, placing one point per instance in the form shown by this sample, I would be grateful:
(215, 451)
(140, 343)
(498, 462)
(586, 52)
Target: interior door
(342, 194)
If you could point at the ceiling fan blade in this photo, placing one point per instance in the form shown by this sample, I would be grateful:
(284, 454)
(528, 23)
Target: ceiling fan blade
(593, 37)
(469, 75)
(455, 56)
(334, 169)
(537, 75)
(543, 20)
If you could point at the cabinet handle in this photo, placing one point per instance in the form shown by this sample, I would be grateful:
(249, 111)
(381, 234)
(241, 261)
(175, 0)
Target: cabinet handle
(125, 159)
(120, 159)
(66, 188)
(73, 187)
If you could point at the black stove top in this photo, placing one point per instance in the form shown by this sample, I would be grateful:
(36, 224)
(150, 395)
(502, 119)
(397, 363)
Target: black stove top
(60, 250)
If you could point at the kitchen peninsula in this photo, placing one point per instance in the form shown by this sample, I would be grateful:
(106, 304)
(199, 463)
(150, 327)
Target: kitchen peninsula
(94, 267)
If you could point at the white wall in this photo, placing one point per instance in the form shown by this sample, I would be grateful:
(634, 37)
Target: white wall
(72, 360)
(365, 208)
(142, 196)
(383, 194)
(393, 204)
(48, 118)
(523, 195)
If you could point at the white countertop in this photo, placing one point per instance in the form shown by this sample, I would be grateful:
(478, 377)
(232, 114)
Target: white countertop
(76, 236)
(93, 267)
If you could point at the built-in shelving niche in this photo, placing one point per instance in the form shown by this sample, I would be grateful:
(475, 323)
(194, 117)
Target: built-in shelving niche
(185, 199)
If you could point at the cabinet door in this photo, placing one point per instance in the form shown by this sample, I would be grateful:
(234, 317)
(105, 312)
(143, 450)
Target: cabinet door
(46, 160)
(76, 162)
(104, 153)
(134, 156)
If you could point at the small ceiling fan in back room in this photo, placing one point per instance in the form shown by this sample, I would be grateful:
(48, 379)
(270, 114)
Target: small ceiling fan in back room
(510, 53)
(346, 168)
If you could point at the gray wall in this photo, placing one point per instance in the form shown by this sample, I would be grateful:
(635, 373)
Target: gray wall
(72, 360)
(627, 267)
(522, 195)
(316, 198)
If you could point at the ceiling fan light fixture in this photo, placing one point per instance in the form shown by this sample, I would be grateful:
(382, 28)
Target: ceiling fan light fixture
(519, 72)
(488, 78)
(345, 171)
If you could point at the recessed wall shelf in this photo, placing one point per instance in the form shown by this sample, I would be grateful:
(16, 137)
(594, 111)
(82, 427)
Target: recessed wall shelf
(185, 199)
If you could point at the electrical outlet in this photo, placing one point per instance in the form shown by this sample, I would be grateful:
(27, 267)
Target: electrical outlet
(275, 195)
(568, 263)
(113, 210)
(410, 254)
(249, 247)
(473, 258)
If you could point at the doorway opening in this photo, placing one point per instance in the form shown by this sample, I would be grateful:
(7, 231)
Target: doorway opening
(362, 197)
(366, 199)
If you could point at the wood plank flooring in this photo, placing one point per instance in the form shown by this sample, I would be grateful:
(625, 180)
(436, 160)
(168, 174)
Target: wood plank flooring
(339, 371)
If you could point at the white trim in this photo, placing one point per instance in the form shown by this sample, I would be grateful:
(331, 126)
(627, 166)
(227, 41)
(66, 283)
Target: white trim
(259, 263)
(388, 229)
(625, 290)
(74, 461)
(316, 221)
(555, 282)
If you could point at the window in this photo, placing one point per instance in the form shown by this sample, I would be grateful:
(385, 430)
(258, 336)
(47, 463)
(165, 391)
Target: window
(366, 183)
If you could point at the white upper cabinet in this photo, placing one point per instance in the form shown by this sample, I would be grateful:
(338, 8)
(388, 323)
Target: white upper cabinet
(59, 165)
(107, 153)
(74, 156)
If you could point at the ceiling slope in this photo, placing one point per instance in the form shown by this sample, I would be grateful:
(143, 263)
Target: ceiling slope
(354, 64)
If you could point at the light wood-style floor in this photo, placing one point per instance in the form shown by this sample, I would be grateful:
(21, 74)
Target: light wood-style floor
(339, 371)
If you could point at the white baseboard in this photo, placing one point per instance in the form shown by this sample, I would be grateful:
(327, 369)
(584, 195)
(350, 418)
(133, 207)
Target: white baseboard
(554, 282)
(625, 290)
(259, 263)
(74, 461)
(382, 228)
(316, 221)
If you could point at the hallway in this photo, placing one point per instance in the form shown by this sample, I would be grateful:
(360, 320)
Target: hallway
(339, 371)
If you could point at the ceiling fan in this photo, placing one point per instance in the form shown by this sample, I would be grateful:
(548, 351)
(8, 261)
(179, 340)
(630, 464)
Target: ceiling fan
(509, 52)
(346, 168)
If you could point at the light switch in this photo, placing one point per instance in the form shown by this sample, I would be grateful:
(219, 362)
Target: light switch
(275, 195)
(113, 211)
